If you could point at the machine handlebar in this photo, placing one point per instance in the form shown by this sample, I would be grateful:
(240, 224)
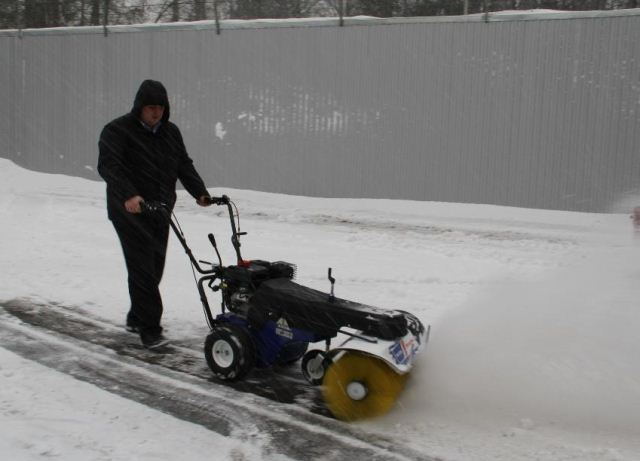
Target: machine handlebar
(161, 208)
(155, 206)
(224, 200)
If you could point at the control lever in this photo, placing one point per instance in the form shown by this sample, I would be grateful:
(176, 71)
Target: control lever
(333, 281)
(212, 239)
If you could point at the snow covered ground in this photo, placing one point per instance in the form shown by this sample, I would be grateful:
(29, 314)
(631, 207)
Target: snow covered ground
(534, 314)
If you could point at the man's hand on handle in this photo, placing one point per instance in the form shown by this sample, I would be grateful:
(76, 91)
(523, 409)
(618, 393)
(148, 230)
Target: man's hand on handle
(204, 200)
(133, 204)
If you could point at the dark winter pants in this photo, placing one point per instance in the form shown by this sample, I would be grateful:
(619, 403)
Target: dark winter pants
(144, 244)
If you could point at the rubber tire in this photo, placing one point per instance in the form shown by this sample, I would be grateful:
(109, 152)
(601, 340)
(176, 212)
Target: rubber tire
(238, 348)
(383, 386)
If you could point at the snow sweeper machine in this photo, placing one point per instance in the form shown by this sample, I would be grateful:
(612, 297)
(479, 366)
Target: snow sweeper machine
(266, 318)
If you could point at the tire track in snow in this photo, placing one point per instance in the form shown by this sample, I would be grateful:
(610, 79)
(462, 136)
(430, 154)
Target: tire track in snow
(287, 429)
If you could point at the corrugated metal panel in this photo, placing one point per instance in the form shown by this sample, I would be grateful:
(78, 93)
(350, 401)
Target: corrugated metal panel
(529, 111)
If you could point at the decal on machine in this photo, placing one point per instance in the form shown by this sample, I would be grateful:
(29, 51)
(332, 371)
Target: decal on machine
(403, 351)
(283, 329)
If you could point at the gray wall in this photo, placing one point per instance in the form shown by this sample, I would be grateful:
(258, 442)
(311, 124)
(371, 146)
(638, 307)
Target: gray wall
(526, 110)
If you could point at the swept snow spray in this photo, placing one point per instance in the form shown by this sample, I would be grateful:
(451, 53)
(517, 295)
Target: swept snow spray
(560, 350)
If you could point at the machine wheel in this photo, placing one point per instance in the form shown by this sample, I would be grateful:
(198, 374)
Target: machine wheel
(314, 366)
(359, 386)
(229, 351)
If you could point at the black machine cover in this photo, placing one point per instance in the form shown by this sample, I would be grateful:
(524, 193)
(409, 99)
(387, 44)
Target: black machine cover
(257, 271)
(313, 310)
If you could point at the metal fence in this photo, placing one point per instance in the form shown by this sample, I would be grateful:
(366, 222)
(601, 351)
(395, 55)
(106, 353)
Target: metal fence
(531, 110)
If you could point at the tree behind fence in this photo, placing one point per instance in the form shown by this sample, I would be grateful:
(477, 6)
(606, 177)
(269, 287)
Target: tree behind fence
(17, 14)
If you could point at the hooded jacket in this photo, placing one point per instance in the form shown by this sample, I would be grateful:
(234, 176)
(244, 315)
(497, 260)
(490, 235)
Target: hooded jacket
(135, 160)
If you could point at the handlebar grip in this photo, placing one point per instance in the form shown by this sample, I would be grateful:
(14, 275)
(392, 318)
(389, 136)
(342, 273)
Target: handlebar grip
(218, 200)
(153, 206)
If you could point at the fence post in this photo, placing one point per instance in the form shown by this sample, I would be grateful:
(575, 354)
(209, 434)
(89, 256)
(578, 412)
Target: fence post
(105, 17)
(216, 16)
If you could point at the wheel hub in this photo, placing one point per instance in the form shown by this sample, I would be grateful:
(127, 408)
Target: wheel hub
(222, 353)
(356, 390)
(315, 367)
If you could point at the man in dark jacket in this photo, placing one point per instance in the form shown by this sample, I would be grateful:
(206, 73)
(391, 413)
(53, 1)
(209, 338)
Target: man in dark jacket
(142, 155)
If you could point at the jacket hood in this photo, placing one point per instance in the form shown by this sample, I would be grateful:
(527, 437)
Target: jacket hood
(151, 93)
